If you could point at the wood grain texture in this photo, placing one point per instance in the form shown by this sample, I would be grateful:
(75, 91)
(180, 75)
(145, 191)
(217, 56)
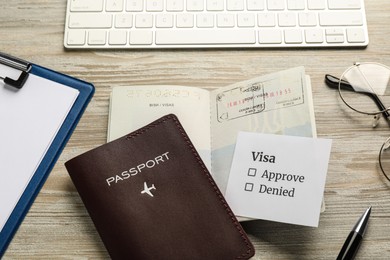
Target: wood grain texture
(58, 226)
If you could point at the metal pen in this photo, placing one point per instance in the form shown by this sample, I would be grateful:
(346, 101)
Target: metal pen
(351, 244)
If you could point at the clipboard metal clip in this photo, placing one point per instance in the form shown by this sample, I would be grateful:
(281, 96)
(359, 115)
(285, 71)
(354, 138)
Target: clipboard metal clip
(18, 64)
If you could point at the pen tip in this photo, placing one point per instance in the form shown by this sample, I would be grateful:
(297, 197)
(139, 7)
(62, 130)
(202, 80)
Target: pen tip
(361, 225)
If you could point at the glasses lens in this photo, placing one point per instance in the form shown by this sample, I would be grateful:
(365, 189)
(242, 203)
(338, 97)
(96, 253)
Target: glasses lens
(365, 88)
(384, 159)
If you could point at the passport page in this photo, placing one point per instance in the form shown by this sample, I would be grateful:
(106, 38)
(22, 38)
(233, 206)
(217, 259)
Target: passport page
(132, 107)
(278, 103)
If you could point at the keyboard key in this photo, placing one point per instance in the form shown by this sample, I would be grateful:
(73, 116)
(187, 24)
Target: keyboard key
(134, 5)
(355, 35)
(287, 19)
(141, 37)
(316, 4)
(235, 5)
(90, 20)
(334, 31)
(175, 5)
(117, 37)
(154, 5)
(334, 38)
(205, 20)
(215, 5)
(270, 36)
(293, 36)
(86, 5)
(307, 19)
(185, 20)
(340, 18)
(76, 37)
(123, 20)
(225, 20)
(246, 20)
(266, 20)
(296, 4)
(275, 5)
(97, 37)
(344, 4)
(210, 37)
(195, 5)
(314, 35)
(164, 21)
(144, 21)
(114, 5)
(255, 5)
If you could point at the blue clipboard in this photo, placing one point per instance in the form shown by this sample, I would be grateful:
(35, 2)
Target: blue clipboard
(86, 91)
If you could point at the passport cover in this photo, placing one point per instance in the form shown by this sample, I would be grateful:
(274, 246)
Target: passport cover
(150, 196)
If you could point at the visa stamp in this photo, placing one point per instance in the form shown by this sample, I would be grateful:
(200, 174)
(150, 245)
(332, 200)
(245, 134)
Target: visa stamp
(257, 97)
(240, 101)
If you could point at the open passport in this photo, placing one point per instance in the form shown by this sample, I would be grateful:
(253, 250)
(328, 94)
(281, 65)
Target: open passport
(278, 103)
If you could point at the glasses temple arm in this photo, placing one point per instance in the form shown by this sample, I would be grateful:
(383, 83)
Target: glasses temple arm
(334, 82)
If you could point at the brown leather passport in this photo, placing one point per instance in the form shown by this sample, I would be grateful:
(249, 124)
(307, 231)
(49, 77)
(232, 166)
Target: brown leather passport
(151, 197)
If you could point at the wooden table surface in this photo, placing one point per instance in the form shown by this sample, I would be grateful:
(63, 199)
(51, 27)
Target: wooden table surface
(58, 226)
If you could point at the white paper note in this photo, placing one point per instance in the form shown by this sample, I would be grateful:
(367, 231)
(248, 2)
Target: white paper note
(29, 120)
(279, 178)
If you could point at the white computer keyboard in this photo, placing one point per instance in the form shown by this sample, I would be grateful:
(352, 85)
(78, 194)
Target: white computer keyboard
(127, 24)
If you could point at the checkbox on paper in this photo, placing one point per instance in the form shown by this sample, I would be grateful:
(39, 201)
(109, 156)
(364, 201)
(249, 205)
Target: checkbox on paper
(252, 172)
(248, 186)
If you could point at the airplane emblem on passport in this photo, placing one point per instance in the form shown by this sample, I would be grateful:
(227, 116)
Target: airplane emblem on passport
(147, 189)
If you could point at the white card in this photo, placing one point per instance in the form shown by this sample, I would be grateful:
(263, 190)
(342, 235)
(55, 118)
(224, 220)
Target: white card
(279, 178)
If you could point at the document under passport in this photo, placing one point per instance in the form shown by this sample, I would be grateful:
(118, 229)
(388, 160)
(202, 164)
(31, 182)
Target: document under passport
(150, 196)
(277, 103)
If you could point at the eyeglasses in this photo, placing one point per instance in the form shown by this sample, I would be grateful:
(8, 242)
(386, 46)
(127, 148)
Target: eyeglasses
(364, 87)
